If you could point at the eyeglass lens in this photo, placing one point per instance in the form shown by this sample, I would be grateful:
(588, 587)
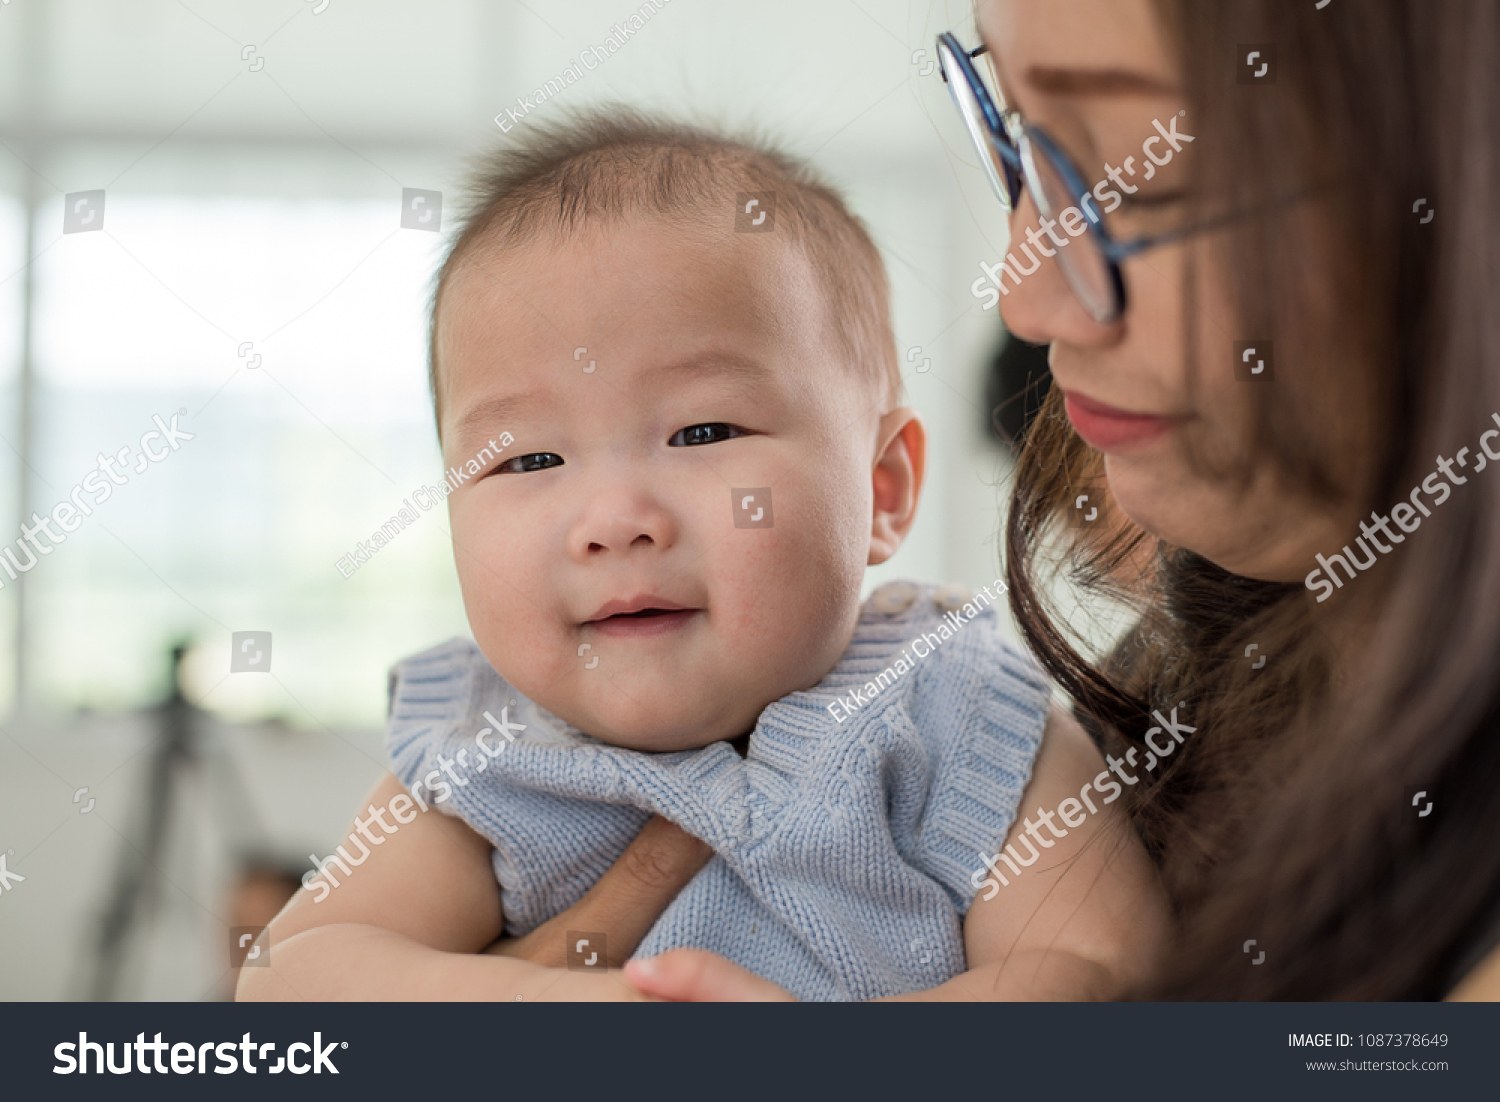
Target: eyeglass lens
(1080, 258)
(1004, 178)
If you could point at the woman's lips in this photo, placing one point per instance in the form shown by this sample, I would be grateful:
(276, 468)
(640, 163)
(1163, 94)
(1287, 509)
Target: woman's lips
(1114, 430)
(643, 626)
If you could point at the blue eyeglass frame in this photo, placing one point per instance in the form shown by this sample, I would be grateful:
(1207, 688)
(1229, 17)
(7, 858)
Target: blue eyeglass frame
(1018, 166)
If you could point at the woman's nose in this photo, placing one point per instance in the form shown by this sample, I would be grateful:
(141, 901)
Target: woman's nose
(1036, 303)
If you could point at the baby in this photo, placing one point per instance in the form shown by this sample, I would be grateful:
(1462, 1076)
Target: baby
(664, 360)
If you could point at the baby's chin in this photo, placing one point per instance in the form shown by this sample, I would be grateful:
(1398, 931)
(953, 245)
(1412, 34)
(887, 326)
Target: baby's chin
(659, 727)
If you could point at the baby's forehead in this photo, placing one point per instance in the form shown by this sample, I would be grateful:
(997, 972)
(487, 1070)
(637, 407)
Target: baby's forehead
(576, 295)
(690, 366)
(688, 237)
(612, 278)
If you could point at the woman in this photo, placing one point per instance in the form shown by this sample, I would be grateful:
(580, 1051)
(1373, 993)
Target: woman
(1337, 806)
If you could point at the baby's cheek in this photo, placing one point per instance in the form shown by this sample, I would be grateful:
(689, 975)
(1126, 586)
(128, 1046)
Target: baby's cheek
(781, 618)
(524, 647)
(504, 595)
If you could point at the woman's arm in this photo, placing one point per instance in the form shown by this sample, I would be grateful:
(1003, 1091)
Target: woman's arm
(1089, 920)
(412, 920)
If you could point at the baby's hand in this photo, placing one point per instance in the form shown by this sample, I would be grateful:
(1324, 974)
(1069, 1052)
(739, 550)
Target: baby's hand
(698, 976)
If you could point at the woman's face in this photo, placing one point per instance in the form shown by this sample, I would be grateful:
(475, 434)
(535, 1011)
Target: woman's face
(1097, 75)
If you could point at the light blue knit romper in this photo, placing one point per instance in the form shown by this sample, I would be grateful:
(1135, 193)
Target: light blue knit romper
(844, 846)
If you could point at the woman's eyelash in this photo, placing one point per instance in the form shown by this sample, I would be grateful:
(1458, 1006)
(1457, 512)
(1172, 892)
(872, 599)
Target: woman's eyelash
(1154, 199)
(711, 432)
(535, 461)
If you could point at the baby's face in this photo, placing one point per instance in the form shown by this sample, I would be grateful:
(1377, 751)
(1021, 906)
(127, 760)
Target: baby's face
(653, 375)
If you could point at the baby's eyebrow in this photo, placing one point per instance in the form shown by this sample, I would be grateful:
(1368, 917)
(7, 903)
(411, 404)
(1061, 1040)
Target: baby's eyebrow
(501, 411)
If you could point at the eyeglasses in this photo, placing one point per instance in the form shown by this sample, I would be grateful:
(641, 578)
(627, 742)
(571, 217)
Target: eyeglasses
(1015, 153)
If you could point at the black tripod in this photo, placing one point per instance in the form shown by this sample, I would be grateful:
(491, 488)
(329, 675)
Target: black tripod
(181, 743)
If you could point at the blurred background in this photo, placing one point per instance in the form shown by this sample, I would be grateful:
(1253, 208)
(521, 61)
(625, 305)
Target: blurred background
(200, 219)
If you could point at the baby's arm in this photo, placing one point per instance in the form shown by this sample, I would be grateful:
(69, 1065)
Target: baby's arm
(1089, 920)
(403, 925)
(411, 921)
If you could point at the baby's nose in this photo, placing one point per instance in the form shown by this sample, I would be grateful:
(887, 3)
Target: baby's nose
(620, 521)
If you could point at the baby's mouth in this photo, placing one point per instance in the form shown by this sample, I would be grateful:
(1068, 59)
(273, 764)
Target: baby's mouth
(641, 617)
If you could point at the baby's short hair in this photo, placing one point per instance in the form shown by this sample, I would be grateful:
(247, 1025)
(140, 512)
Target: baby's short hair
(608, 163)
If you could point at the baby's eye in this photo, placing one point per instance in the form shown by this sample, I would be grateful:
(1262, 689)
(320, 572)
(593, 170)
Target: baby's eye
(694, 435)
(536, 461)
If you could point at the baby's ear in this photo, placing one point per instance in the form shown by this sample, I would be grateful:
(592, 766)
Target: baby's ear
(900, 463)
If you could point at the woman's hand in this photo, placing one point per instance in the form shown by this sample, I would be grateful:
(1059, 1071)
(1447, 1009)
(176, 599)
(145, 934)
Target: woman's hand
(624, 903)
(698, 976)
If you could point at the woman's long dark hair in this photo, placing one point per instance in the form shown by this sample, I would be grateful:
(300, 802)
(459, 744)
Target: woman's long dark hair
(1288, 817)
